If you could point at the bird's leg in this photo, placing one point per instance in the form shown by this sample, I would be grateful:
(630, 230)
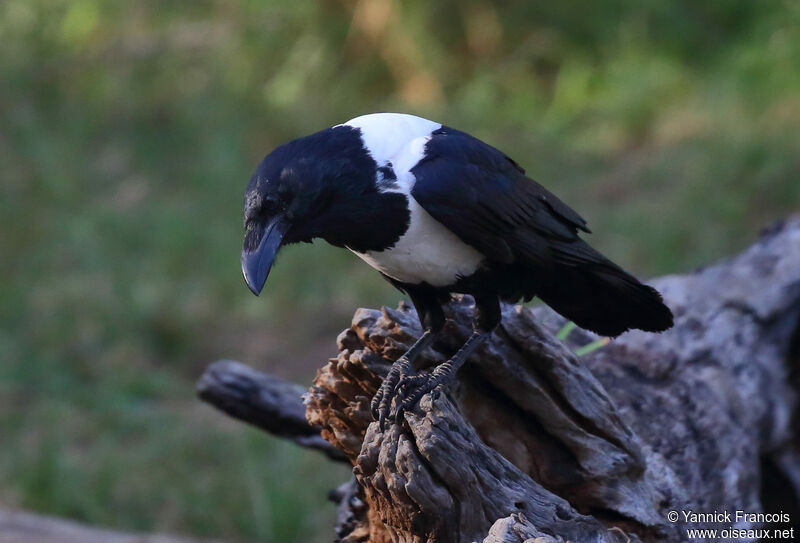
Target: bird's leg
(410, 390)
(439, 377)
(431, 317)
(382, 401)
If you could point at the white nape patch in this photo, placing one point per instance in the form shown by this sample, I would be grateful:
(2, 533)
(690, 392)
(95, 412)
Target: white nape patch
(427, 252)
(386, 136)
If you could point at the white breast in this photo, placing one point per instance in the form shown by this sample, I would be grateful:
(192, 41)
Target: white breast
(427, 252)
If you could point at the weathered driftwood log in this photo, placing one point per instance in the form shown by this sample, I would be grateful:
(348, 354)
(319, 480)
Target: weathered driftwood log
(262, 400)
(536, 443)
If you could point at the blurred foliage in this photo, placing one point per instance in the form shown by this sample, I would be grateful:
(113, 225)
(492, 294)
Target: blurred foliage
(128, 131)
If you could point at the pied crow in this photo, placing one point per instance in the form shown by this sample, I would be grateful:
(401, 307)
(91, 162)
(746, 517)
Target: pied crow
(437, 211)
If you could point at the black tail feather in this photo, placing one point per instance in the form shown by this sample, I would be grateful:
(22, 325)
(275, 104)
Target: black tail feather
(598, 295)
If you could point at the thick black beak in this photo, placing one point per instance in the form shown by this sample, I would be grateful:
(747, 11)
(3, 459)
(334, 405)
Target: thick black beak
(261, 244)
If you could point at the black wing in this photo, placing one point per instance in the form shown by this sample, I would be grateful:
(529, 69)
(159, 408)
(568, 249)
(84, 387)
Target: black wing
(486, 199)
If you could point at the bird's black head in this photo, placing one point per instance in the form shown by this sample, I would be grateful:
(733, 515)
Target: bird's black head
(302, 190)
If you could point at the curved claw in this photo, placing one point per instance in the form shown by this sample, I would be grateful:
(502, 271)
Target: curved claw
(382, 399)
(376, 402)
(382, 419)
(379, 395)
(373, 406)
(398, 414)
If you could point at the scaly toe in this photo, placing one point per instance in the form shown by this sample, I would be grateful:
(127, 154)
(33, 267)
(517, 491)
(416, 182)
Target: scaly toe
(375, 404)
(381, 405)
(408, 384)
(383, 413)
(377, 400)
(410, 402)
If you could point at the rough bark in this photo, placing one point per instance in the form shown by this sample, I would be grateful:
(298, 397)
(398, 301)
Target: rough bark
(536, 443)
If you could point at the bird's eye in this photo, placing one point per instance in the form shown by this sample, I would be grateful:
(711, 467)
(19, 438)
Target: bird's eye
(270, 204)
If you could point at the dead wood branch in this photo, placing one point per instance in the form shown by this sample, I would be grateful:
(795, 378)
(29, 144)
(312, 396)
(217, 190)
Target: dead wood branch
(262, 400)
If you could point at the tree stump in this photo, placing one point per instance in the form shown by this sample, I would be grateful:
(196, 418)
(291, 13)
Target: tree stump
(536, 443)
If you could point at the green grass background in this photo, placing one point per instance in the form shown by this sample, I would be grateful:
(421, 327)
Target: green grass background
(128, 131)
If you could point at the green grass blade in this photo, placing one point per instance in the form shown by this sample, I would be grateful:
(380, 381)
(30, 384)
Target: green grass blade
(564, 332)
(593, 346)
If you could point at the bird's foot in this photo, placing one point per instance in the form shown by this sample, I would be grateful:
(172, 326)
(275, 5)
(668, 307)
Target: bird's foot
(382, 401)
(407, 384)
(412, 388)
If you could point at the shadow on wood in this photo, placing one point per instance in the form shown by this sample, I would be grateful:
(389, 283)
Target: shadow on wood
(536, 442)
